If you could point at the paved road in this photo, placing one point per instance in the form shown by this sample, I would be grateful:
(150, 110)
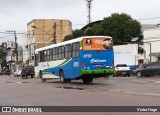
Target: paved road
(115, 91)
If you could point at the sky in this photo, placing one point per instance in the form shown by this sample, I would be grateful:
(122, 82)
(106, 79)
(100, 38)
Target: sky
(15, 14)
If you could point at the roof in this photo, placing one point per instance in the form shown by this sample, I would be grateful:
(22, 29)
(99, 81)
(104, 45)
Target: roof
(91, 24)
(69, 41)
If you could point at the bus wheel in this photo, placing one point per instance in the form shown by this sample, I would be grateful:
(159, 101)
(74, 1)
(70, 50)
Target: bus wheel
(41, 76)
(87, 79)
(61, 75)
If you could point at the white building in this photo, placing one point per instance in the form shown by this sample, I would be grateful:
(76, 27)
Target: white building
(146, 51)
(152, 43)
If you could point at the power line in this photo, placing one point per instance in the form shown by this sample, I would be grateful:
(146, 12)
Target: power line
(150, 18)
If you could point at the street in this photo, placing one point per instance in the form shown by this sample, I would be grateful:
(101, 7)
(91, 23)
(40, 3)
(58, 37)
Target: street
(114, 91)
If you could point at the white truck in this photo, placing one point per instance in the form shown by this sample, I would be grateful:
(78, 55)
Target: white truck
(123, 60)
(122, 69)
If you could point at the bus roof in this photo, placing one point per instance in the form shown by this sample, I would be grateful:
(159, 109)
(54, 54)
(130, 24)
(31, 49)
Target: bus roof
(70, 41)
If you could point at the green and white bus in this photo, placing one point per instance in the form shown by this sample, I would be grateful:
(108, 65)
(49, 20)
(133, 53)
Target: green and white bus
(81, 58)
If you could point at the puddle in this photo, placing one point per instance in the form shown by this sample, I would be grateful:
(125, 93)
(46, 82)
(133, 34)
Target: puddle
(17, 82)
(79, 88)
(9, 82)
(58, 86)
(24, 82)
(66, 87)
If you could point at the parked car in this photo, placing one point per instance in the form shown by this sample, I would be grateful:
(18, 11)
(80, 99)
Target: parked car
(18, 72)
(7, 72)
(150, 69)
(122, 69)
(28, 71)
(1, 72)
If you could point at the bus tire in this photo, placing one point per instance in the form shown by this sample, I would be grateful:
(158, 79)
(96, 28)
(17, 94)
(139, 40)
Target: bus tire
(87, 79)
(41, 77)
(61, 75)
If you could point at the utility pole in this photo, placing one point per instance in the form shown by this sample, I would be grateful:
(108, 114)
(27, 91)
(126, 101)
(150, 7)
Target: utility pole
(15, 37)
(89, 3)
(54, 33)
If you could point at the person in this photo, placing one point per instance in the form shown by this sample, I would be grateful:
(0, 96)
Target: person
(88, 41)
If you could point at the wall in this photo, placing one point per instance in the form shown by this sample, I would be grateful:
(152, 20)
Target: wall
(152, 42)
(43, 34)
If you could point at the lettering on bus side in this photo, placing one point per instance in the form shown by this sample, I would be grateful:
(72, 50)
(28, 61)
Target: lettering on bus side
(98, 60)
(87, 56)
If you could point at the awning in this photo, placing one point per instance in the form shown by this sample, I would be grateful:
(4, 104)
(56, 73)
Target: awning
(156, 54)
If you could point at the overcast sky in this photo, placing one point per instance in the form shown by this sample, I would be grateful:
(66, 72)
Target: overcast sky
(15, 14)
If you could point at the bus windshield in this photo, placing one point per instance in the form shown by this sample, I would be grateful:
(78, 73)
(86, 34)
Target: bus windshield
(97, 44)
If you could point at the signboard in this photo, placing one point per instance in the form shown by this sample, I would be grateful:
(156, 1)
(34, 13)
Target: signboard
(97, 44)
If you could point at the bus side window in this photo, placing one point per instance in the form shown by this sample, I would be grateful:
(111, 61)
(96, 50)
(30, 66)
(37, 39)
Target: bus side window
(62, 52)
(43, 56)
(59, 53)
(36, 59)
(47, 55)
(39, 57)
(54, 54)
(68, 51)
(75, 49)
(50, 55)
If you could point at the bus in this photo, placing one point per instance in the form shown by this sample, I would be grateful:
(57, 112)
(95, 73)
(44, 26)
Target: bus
(80, 58)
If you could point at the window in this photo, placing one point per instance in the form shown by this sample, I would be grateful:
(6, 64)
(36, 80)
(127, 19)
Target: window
(75, 49)
(45, 52)
(43, 56)
(47, 55)
(68, 51)
(39, 57)
(62, 48)
(50, 55)
(54, 54)
(59, 53)
(36, 59)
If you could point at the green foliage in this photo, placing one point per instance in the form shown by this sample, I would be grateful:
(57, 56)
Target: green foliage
(77, 33)
(2, 58)
(121, 27)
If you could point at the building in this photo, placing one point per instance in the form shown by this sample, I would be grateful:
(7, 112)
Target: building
(11, 56)
(43, 32)
(144, 51)
(151, 44)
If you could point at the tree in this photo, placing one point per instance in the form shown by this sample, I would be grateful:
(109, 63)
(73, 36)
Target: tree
(2, 58)
(121, 27)
(76, 33)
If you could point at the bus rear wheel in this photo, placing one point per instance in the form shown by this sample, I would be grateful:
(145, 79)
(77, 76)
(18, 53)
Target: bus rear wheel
(87, 79)
(61, 74)
(41, 76)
